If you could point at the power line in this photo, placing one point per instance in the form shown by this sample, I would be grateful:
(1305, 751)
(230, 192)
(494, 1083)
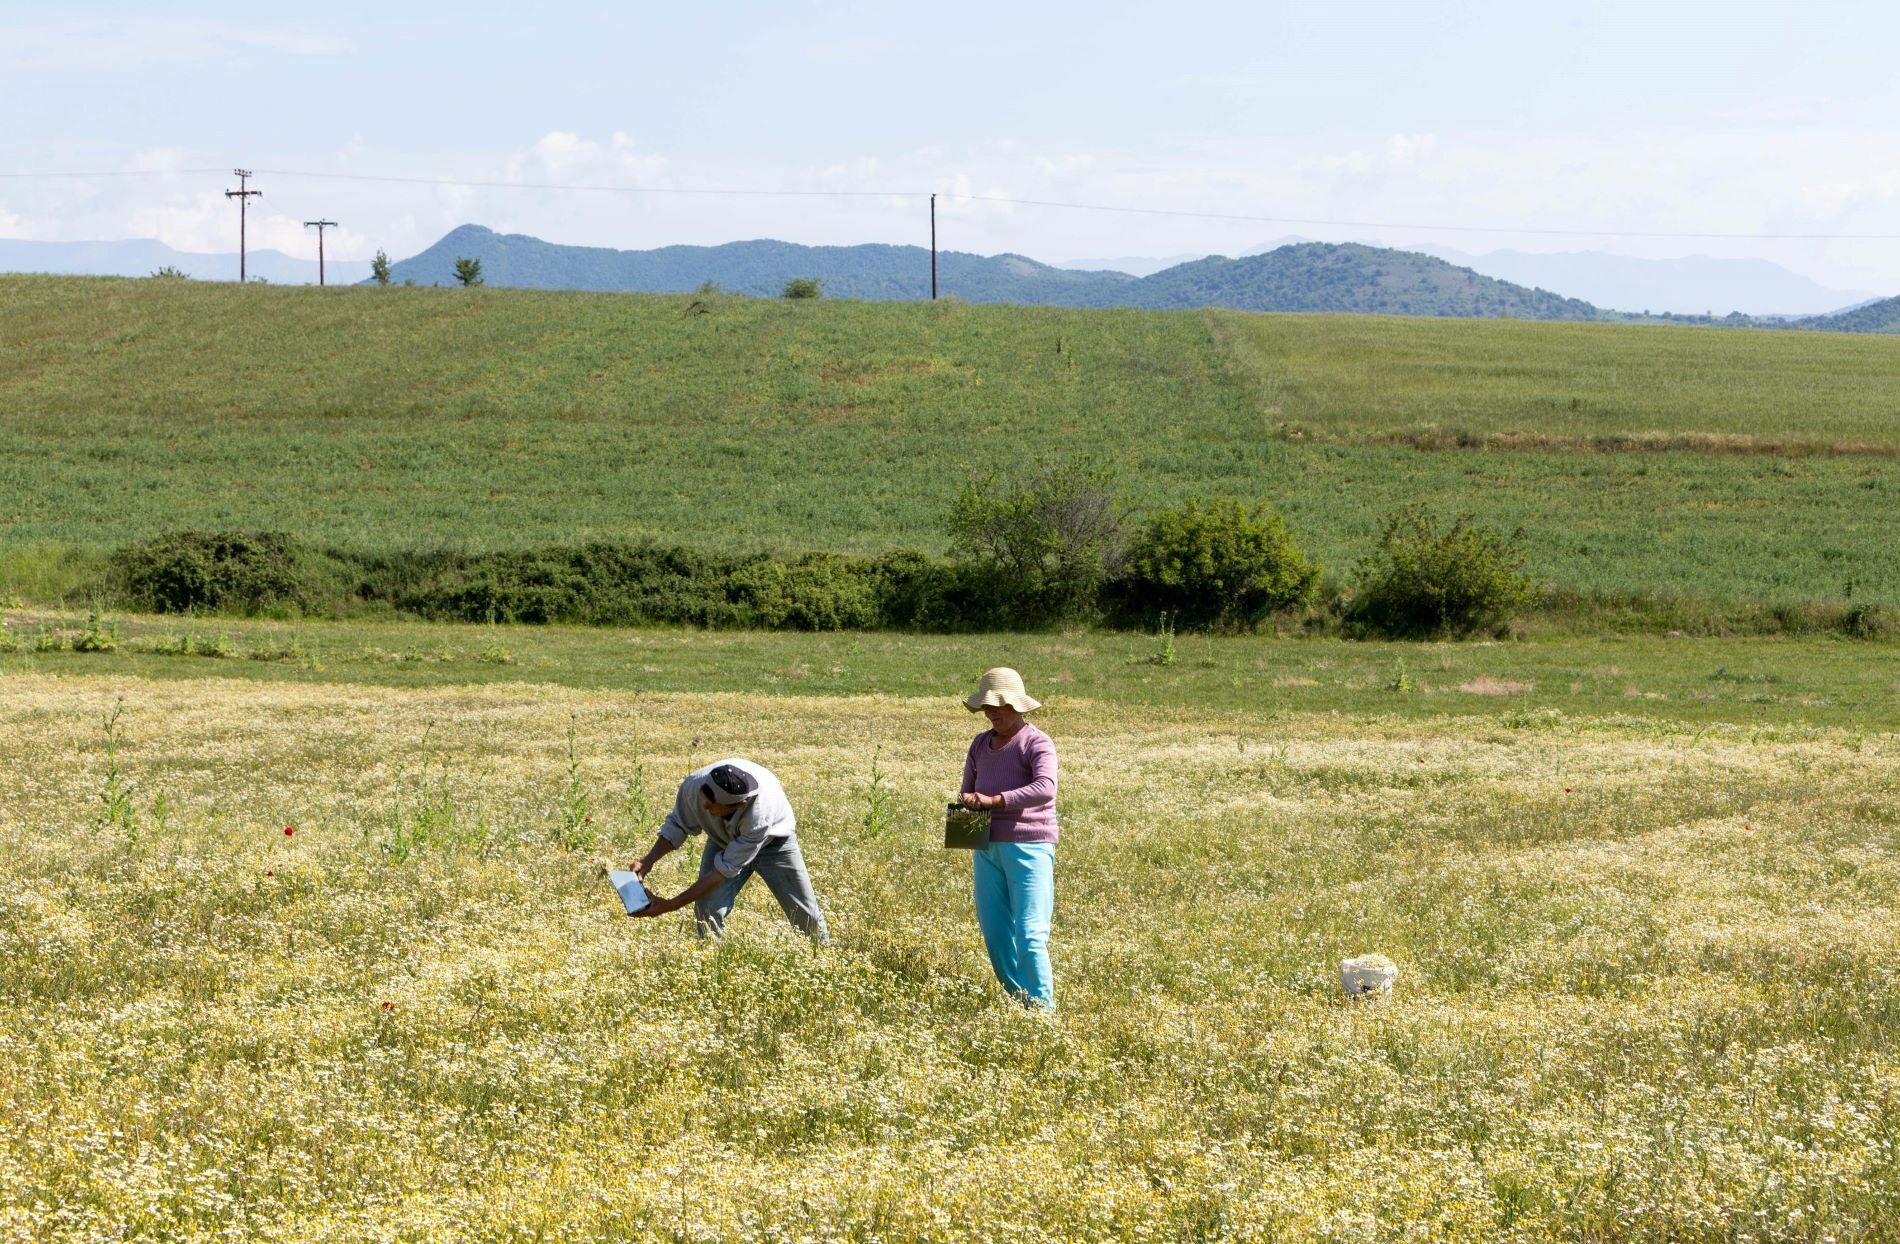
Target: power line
(1389, 224)
(1308, 222)
(1009, 200)
(122, 172)
(543, 185)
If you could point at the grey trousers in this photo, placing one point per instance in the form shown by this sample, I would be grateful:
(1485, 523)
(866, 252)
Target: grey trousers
(781, 865)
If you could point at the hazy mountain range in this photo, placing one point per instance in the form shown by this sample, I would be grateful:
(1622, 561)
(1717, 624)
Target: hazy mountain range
(1296, 275)
(142, 257)
(1308, 277)
(1691, 285)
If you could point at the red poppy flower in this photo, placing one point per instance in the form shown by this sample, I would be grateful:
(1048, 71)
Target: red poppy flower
(389, 1006)
(270, 872)
(289, 830)
(1566, 790)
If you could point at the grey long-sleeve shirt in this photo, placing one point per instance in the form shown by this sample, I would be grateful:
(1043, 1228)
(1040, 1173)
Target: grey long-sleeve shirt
(767, 815)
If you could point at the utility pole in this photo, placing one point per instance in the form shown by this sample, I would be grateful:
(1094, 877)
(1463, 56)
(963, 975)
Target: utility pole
(243, 195)
(933, 248)
(321, 225)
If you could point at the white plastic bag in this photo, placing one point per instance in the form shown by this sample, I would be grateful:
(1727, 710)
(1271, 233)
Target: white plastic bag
(1367, 975)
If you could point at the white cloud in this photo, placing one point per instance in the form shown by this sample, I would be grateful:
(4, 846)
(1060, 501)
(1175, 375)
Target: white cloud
(1410, 148)
(1783, 181)
(108, 46)
(205, 221)
(1357, 162)
(564, 156)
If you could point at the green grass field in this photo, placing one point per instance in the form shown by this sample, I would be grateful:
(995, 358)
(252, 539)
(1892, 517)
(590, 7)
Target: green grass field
(1769, 684)
(1643, 890)
(381, 419)
(1643, 894)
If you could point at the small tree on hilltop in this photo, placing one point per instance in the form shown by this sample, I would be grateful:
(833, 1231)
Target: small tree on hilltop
(802, 287)
(169, 273)
(468, 272)
(379, 268)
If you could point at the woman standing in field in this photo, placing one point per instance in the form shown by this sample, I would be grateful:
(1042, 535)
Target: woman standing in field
(1010, 771)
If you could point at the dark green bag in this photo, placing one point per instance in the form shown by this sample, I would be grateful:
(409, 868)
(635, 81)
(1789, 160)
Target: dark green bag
(965, 829)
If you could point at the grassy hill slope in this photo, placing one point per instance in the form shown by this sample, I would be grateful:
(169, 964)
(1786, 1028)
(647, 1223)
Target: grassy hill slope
(399, 418)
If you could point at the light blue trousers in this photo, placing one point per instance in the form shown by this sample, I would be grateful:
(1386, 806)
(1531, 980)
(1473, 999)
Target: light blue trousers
(781, 865)
(1015, 898)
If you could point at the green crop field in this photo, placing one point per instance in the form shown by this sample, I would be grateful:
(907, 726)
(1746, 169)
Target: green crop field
(402, 418)
(1643, 896)
(302, 922)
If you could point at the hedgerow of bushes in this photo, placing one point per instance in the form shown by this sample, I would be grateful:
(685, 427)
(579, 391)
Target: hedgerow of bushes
(1028, 551)
(600, 583)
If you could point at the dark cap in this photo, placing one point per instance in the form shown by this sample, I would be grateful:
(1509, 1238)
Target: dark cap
(729, 784)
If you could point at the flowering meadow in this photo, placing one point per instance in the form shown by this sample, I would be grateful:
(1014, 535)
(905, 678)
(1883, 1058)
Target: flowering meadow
(295, 961)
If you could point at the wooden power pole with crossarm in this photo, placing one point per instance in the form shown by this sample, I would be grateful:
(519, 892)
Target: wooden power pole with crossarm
(243, 195)
(320, 226)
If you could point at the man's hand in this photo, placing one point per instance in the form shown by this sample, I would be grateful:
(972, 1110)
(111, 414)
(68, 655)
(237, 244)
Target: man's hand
(656, 906)
(638, 868)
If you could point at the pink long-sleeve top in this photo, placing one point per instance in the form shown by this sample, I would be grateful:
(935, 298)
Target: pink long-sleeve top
(1023, 772)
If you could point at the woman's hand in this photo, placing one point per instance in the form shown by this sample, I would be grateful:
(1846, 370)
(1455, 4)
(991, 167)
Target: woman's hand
(970, 799)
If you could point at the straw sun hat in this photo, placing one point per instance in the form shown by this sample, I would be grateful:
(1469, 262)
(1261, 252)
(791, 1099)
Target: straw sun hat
(1001, 686)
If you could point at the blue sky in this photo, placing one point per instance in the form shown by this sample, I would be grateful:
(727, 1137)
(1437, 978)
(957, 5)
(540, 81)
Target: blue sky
(1670, 118)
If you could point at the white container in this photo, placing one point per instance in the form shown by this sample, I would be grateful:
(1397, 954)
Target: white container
(1367, 975)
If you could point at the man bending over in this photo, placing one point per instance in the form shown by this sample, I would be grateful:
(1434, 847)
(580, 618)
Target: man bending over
(749, 828)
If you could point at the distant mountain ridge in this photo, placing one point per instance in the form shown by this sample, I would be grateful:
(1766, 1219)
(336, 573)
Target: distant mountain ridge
(870, 271)
(1311, 276)
(1882, 316)
(1695, 285)
(1688, 285)
(144, 256)
(1294, 275)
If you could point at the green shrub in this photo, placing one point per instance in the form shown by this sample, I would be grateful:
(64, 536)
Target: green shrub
(1869, 622)
(803, 287)
(1426, 579)
(1041, 546)
(918, 593)
(609, 584)
(225, 572)
(911, 589)
(814, 592)
(1213, 565)
(600, 584)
